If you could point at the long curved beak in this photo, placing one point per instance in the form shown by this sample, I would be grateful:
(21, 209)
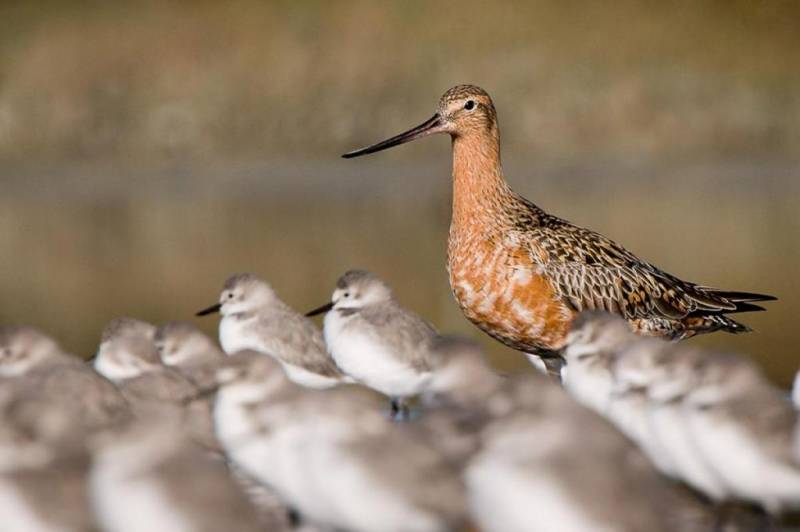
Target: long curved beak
(210, 310)
(320, 310)
(429, 127)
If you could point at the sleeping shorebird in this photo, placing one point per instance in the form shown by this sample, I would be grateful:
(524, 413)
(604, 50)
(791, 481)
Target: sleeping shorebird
(254, 317)
(533, 471)
(634, 371)
(292, 439)
(128, 356)
(745, 430)
(457, 402)
(43, 466)
(375, 340)
(147, 476)
(674, 377)
(521, 274)
(117, 364)
(593, 345)
(31, 361)
(187, 349)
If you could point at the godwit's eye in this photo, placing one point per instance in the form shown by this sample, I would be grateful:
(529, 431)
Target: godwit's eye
(469, 105)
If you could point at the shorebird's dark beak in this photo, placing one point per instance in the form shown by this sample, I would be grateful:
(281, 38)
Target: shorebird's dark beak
(320, 310)
(210, 310)
(429, 127)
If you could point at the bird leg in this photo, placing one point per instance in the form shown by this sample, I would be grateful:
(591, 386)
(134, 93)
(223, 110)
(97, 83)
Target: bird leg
(554, 366)
(550, 363)
(398, 409)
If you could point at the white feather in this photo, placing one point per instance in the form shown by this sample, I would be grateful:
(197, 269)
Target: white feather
(371, 361)
(16, 515)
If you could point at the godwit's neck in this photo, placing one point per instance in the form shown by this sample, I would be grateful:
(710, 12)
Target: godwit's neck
(479, 188)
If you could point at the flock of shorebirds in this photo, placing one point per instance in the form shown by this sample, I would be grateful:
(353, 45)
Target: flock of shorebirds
(286, 426)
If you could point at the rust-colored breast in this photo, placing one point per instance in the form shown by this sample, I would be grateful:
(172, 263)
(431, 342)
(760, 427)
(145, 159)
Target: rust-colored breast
(501, 290)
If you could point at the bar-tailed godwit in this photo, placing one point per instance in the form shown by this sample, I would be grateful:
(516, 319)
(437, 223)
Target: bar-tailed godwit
(522, 275)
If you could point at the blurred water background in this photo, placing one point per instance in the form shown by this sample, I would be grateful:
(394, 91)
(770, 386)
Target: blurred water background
(150, 149)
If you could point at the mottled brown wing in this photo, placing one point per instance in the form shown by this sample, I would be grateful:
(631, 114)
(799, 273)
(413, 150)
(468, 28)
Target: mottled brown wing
(629, 292)
(591, 271)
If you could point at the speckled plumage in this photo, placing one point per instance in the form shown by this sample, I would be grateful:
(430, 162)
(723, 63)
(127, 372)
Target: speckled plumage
(522, 275)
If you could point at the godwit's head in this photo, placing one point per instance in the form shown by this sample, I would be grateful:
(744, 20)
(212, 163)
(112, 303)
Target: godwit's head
(463, 111)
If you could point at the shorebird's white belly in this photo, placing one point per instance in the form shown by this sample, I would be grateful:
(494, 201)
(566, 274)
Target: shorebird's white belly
(629, 413)
(309, 379)
(234, 336)
(239, 435)
(371, 361)
(135, 504)
(589, 386)
(744, 465)
(504, 499)
(292, 449)
(360, 501)
(127, 496)
(114, 371)
(17, 515)
(669, 428)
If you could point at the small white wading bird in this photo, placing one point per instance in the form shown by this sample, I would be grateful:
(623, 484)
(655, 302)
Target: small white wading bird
(31, 360)
(457, 403)
(147, 477)
(116, 364)
(609, 371)
(331, 454)
(253, 317)
(745, 429)
(593, 343)
(43, 467)
(25, 350)
(375, 340)
(710, 420)
(187, 349)
(534, 471)
(673, 377)
(128, 356)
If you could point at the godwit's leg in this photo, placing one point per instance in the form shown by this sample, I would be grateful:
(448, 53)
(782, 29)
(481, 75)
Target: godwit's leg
(551, 365)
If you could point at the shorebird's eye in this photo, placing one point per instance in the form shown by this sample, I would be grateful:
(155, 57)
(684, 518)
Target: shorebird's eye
(469, 105)
(230, 295)
(347, 294)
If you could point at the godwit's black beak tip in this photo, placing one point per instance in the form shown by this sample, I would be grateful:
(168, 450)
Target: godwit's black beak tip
(430, 126)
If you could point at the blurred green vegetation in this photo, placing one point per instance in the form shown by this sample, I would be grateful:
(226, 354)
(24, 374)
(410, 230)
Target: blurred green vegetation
(150, 149)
